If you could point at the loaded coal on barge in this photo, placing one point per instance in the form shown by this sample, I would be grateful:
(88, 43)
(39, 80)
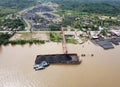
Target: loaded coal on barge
(58, 59)
(66, 58)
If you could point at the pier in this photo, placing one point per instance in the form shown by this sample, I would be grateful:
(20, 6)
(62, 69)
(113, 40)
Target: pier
(65, 58)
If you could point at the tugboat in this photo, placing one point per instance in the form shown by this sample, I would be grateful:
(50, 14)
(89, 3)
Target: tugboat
(41, 66)
(35, 66)
(44, 64)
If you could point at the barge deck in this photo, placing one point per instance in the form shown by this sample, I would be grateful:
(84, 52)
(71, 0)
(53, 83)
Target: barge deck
(58, 59)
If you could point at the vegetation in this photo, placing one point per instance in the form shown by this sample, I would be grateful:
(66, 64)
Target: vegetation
(85, 15)
(17, 4)
(71, 40)
(55, 37)
(55, 27)
(90, 14)
(4, 40)
(104, 32)
(13, 24)
(13, 6)
(5, 11)
(92, 22)
(68, 20)
(105, 7)
(84, 39)
(100, 8)
(22, 42)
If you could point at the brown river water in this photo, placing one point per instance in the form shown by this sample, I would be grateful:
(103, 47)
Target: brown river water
(102, 70)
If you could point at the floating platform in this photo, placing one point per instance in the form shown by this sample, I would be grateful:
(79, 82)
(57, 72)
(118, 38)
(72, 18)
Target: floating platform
(115, 40)
(106, 44)
(58, 59)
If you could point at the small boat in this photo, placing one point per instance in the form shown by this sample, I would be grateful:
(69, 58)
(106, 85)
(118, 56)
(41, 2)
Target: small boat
(39, 68)
(41, 65)
(36, 66)
(44, 64)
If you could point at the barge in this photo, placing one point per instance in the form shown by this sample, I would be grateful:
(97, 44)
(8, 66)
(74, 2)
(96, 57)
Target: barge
(58, 59)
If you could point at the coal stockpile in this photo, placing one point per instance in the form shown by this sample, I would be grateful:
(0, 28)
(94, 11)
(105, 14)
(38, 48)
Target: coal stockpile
(58, 59)
(42, 9)
(48, 15)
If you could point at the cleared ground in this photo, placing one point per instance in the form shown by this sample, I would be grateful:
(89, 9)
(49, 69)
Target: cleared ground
(31, 36)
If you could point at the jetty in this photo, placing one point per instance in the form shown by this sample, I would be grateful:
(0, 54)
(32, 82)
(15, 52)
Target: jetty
(65, 58)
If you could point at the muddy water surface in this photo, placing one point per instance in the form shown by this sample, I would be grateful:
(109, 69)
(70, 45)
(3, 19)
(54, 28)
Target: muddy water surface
(102, 70)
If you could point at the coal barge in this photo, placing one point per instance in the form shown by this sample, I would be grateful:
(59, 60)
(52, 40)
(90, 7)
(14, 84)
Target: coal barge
(58, 59)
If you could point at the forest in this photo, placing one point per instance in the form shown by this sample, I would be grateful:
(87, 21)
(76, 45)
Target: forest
(111, 7)
(17, 4)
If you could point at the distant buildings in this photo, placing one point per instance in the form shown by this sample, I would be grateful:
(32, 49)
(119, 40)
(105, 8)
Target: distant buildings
(115, 32)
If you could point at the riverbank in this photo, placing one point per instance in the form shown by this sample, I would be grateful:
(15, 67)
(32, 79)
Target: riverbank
(35, 37)
(6, 38)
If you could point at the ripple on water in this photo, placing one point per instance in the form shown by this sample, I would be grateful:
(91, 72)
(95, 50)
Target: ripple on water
(14, 78)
